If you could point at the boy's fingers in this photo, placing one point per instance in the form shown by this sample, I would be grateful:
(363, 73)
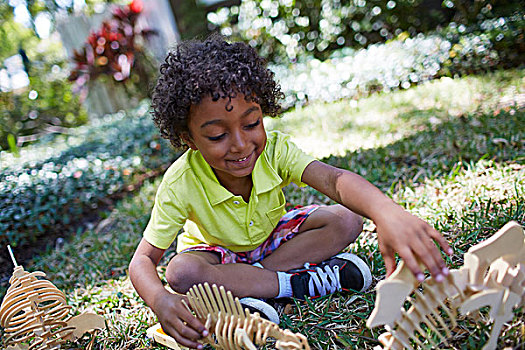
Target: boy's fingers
(412, 264)
(431, 256)
(182, 337)
(187, 342)
(442, 241)
(427, 252)
(390, 261)
(436, 253)
(195, 325)
(188, 332)
(191, 320)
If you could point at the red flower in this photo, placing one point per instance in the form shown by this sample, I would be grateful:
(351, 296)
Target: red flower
(111, 50)
(136, 6)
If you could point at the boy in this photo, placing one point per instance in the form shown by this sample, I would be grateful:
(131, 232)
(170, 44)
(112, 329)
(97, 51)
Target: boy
(226, 192)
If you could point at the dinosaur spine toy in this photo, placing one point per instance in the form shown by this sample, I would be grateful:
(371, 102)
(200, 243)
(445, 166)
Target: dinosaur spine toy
(424, 315)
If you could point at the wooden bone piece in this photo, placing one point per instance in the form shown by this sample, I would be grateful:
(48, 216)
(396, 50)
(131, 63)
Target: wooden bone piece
(501, 302)
(493, 275)
(425, 308)
(496, 273)
(391, 293)
(35, 311)
(235, 328)
(507, 244)
(33, 308)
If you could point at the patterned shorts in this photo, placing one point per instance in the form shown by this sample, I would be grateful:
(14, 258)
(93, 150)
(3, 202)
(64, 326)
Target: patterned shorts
(286, 229)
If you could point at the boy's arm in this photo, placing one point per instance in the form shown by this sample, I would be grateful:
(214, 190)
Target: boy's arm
(397, 230)
(175, 319)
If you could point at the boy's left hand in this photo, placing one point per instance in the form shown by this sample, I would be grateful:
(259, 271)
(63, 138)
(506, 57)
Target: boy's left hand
(413, 239)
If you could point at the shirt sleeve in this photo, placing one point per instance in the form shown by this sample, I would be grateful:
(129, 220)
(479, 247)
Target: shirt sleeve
(291, 160)
(167, 218)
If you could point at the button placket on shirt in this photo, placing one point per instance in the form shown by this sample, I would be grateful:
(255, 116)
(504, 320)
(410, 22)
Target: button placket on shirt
(254, 200)
(240, 209)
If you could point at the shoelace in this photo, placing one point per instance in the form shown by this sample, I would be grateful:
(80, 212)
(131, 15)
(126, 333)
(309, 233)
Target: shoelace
(326, 281)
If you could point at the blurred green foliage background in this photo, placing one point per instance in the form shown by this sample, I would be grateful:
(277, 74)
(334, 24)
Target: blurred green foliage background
(320, 50)
(482, 35)
(287, 30)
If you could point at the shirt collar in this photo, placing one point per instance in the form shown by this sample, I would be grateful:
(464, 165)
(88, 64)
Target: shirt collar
(215, 192)
(264, 178)
(264, 175)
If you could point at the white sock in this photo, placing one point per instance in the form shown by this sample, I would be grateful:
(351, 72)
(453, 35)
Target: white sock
(258, 264)
(285, 285)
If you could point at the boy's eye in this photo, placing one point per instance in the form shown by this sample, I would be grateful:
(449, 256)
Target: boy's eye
(216, 138)
(253, 125)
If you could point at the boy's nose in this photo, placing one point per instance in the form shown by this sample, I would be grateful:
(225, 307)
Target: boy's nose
(238, 142)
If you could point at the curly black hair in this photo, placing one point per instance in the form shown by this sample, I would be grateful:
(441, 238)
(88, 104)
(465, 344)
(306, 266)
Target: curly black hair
(215, 68)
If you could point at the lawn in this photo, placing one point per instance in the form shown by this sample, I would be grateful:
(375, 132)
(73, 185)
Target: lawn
(450, 151)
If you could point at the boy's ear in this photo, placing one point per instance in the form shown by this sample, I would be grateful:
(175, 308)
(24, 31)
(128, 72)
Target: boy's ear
(188, 140)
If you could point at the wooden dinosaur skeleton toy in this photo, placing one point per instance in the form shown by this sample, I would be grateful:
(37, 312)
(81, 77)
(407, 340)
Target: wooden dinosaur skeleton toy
(232, 327)
(35, 314)
(424, 315)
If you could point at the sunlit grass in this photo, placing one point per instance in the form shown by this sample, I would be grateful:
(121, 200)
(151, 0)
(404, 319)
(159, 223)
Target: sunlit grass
(323, 129)
(468, 206)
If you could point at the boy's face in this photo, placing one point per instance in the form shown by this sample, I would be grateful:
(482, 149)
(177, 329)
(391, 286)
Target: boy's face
(230, 141)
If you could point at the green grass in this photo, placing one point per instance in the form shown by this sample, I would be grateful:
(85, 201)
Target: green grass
(450, 151)
(333, 129)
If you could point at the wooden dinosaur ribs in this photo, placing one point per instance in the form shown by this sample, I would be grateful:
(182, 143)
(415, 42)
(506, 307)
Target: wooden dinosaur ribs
(424, 315)
(234, 327)
(35, 314)
(230, 326)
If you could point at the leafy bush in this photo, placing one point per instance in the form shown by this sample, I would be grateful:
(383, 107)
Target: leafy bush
(474, 12)
(493, 44)
(285, 30)
(46, 105)
(58, 187)
(351, 74)
(403, 62)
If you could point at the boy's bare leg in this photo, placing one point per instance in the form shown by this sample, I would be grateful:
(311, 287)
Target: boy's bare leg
(190, 268)
(326, 232)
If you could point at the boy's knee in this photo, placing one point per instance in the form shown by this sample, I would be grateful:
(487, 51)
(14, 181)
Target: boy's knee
(349, 224)
(183, 271)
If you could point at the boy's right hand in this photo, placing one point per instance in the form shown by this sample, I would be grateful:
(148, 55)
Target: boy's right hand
(178, 322)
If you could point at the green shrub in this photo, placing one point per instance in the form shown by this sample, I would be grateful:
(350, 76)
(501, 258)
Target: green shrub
(356, 73)
(493, 44)
(401, 63)
(286, 30)
(47, 105)
(54, 189)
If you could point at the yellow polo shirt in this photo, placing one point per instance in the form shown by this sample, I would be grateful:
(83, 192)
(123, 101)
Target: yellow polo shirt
(190, 196)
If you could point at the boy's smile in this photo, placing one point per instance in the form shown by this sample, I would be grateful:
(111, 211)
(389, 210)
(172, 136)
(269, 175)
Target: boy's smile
(230, 141)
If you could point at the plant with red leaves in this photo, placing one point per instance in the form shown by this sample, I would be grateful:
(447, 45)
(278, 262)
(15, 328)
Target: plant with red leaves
(113, 50)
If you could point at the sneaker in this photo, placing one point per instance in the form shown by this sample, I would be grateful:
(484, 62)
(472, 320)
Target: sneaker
(264, 309)
(344, 271)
